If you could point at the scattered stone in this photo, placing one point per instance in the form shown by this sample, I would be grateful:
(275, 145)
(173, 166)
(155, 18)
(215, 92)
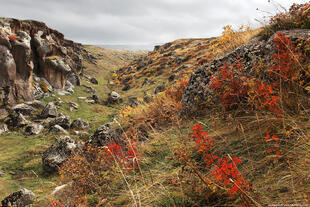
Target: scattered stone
(90, 101)
(58, 153)
(2, 174)
(79, 124)
(62, 120)
(36, 104)
(90, 89)
(69, 87)
(74, 79)
(3, 128)
(94, 81)
(56, 129)
(133, 102)
(160, 88)
(114, 98)
(20, 198)
(126, 87)
(16, 120)
(95, 98)
(33, 129)
(50, 110)
(24, 109)
(3, 113)
(73, 105)
(103, 135)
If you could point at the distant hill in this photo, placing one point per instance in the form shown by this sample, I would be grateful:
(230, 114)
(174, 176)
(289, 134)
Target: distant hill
(133, 47)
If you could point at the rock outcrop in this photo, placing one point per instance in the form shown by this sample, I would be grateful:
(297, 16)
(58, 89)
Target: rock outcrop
(256, 52)
(28, 47)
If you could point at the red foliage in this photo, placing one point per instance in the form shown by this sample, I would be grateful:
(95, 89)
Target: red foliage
(274, 142)
(229, 85)
(13, 37)
(286, 58)
(224, 170)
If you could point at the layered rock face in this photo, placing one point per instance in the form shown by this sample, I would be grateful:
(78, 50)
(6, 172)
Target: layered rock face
(30, 47)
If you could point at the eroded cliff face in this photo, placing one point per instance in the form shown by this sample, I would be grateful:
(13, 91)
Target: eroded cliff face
(29, 48)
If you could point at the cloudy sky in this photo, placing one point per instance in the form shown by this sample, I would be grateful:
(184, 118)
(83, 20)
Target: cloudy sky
(140, 21)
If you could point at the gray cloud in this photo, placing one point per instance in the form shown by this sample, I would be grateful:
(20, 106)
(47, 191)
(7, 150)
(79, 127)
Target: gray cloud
(139, 21)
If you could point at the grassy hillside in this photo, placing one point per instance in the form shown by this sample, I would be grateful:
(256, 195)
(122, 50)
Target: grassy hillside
(248, 146)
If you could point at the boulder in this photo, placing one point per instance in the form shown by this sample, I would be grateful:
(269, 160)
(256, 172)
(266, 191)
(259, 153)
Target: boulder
(104, 135)
(2, 174)
(114, 98)
(50, 110)
(94, 81)
(24, 109)
(79, 124)
(21, 198)
(16, 120)
(56, 129)
(74, 79)
(33, 129)
(62, 120)
(36, 104)
(3, 128)
(58, 153)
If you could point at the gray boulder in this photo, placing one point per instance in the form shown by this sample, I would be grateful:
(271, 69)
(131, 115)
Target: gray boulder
(114, 98)
(16, 120)
(94, 81)
(62, 120)
(24, 109)
(3, 128)
(50, 110)
(56, 129)
(33, 129)
(21, 198)
(104, 135)
(79, 124)
(58, 153)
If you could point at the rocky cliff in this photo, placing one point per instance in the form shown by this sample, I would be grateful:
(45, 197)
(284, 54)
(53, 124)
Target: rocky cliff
(32, 54)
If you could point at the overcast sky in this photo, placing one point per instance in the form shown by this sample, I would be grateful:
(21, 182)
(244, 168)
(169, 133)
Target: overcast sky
(139, 21)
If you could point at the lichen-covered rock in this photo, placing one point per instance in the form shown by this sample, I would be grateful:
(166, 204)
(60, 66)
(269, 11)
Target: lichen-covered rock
(3, 128)
(16, 120)
(79, 124)
(62, 120)
(33, 129)
(50, 110)
(56, 129)
(21, 198)
(58, 153)
(24, 109)
(114, 98)
(104, 135)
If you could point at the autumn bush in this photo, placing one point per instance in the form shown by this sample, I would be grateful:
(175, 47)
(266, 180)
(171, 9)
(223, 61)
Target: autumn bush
(218, 173)
(233, 86)
(297, 17)
(93, 170)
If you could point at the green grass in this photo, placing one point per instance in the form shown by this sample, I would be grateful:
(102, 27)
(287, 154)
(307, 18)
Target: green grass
(20, 159)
